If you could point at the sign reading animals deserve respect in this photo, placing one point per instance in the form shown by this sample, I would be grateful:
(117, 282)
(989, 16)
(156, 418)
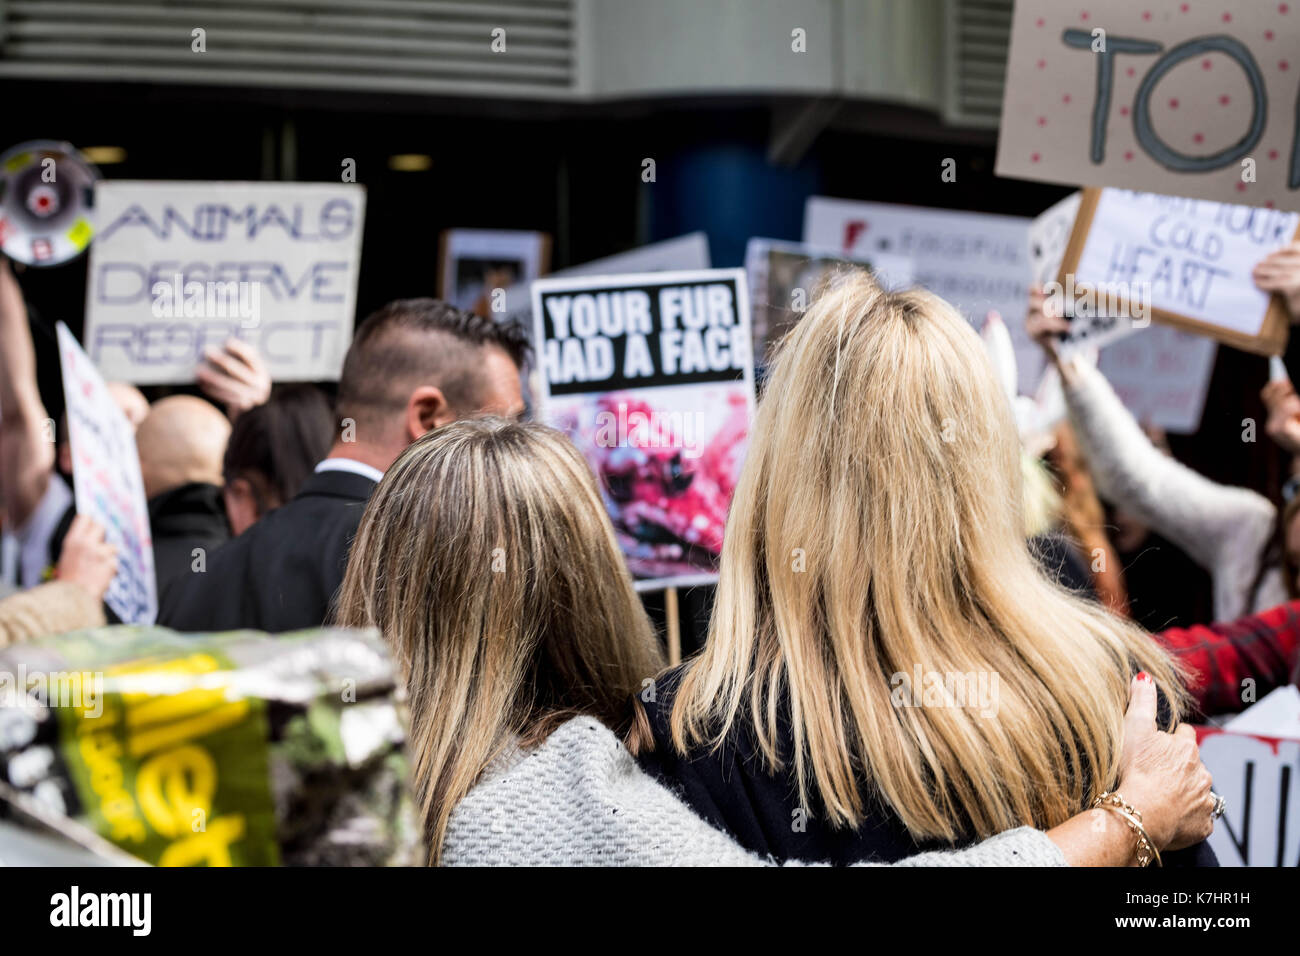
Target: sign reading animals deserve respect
(178, 267)
(109, 488)
(652, 376)
(1185, 262)
(1170, 96)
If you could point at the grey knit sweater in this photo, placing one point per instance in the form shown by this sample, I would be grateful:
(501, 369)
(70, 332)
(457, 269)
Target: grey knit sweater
(581, 800)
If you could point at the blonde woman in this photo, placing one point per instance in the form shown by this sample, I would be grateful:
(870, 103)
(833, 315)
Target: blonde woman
(887, 669)
(487, 560)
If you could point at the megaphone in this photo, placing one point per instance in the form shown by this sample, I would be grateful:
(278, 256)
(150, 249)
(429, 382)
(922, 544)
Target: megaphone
(47, 198)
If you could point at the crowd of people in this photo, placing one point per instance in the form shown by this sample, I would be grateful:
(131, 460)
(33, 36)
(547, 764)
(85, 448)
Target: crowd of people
(889, 525)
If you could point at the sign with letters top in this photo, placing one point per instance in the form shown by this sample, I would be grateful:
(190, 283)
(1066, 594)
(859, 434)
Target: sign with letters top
(106, 476)
(652, 376)
(180, 266)
(1187, 98)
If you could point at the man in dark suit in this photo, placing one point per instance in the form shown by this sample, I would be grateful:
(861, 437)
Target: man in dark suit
(413, 366)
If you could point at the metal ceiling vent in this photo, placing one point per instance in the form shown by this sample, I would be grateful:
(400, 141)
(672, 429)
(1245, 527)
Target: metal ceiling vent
(978, 40)
(403, 46)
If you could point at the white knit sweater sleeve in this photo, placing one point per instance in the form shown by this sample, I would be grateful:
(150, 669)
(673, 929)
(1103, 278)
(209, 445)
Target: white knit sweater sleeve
(580, 799)
(1223, 529)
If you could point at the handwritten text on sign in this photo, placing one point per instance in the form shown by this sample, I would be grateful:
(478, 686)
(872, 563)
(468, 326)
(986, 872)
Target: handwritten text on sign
(1196, 99)
(106, 473)
(1188, 256)
(178, 267)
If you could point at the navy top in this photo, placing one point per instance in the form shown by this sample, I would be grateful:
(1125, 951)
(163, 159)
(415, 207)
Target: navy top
(733, 790)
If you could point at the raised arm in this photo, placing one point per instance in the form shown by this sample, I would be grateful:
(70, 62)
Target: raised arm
(26, 437)
(1223, 529)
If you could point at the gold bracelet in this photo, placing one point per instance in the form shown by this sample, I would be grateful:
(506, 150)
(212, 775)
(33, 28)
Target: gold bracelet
(1146, 850)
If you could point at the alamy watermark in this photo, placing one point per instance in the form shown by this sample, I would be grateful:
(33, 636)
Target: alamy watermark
(1127, 300)
(624, 428)
(974, 690)
(32, 690)
(208, 300)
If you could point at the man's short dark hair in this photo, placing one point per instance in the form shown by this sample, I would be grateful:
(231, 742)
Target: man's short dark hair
(414, 341)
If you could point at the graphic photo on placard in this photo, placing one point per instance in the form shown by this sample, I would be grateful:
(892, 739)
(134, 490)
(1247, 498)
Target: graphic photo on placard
(668, 460)
(785, 277)
(475, 263)
(651, 375)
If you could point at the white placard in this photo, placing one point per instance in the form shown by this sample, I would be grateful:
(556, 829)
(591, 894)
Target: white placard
(1259, 778)
(180, 266)
(1049, 234)
(1191, 257)
(475, 263)
(977, 261)
(106, 473)
(1162, 375)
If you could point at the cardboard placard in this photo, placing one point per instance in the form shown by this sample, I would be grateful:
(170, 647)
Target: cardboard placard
(652, 376)
(180, 266)
(1187, 260)
(977, 261)
(1194, 99)
(476, 266)
(109, 488)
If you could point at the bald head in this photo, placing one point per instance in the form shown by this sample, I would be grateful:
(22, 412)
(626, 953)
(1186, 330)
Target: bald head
(181, 440)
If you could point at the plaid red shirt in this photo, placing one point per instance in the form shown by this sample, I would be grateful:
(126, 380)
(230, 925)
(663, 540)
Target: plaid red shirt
(1219, 657)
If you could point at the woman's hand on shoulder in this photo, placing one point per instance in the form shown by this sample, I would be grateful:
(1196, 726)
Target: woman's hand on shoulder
(1161, 774)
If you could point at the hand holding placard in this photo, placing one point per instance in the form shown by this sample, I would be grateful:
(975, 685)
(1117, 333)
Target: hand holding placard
(1185, 262)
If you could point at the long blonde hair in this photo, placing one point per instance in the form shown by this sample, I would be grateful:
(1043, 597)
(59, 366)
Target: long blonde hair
(878, 529)
(487, 561)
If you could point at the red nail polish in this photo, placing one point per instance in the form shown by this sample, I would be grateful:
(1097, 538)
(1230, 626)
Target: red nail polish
(1143, 675)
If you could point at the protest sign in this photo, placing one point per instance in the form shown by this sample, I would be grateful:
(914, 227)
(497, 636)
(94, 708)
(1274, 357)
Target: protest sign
(1049, 234)
(177, 267)
(1049, 237)
(1193, 99)
(785, 278)
(1255, 762)
(106, 475)
(1162, 375)
(690, 251)
(476, 266)
(1186, 262)
(977, 261)
(652, 377)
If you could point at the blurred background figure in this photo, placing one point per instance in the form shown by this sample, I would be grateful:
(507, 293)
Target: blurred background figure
(74, 599)
(181, 443)
(272, 451)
